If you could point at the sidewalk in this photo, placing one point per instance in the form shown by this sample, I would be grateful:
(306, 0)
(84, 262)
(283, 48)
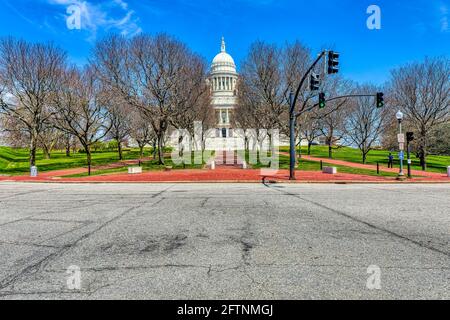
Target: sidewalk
(221, 174)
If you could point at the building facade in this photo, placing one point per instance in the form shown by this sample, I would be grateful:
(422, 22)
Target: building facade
(223, 80)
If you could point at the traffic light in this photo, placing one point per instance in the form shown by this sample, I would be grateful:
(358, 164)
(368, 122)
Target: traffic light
(314, 82)
(409, 136)
(333, 62)
(322, 101)
(380, 99)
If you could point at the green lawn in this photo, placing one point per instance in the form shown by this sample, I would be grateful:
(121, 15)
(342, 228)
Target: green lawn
(15, 161)
(434, 163)
(152, 165)
(305, 165)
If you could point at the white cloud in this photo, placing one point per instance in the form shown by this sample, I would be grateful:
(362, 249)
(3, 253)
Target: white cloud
(106, 15)
(443, 10)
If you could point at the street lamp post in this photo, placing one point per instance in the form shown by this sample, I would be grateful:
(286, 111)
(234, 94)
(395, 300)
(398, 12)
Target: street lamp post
(401, 141)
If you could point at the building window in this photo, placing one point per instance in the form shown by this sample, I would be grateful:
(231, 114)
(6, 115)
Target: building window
(224, 116)
(224, 133)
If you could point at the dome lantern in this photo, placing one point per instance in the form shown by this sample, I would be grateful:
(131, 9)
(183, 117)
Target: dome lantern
(223, 47)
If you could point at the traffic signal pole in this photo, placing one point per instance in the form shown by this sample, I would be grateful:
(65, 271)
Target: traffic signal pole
(293, 117)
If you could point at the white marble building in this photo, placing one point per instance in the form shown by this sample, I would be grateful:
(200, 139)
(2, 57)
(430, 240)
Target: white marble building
(223, 80)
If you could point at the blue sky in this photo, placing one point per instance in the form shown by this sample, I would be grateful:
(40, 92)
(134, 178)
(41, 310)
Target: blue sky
(410, 30)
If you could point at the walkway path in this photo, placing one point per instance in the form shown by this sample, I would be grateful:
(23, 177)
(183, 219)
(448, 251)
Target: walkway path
(228, 159)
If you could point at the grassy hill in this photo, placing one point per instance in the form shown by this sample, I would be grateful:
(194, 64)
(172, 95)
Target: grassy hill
(434, 163)
(15, 161)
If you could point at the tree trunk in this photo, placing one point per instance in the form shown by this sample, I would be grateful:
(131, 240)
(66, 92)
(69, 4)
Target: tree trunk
(180, 146)
(154, 145)
(364, 158)
(119, 147)
(330, 151)
(160, 150)
(141, 151)
(32, 151)
(423, 149)
(309, 148)
(68, 146)
(423, 161)
(88, 158)
(46, 152)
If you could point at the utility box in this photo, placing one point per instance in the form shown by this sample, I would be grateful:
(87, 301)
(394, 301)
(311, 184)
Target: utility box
(134, 170)
(33, 171)
(329, 170)
(213, 165)
(448, 172)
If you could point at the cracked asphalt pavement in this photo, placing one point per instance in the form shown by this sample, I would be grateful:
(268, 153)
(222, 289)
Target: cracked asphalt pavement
(224, 241)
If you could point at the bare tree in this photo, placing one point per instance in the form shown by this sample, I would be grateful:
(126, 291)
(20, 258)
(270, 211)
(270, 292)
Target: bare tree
(29, 74)
(147, 72)
(78, 110)
(268, 75)
(310, 129)
(14, 133)
(191, 100)
(440, 141)
(332, 119)
(244, 116)
(119, 115)
(48, 138)
(365, 122)
(141, 131)
(422, 90)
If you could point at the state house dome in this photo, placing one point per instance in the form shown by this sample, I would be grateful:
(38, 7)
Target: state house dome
(223, 62)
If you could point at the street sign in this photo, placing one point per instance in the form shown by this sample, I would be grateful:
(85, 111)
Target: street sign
(401, 146)
(409, 161)
(401, 138)
(401, 155)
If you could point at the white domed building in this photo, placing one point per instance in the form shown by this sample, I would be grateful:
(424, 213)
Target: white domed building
(223, 80)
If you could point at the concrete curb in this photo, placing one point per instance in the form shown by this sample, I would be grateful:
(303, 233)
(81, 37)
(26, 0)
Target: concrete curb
(229, 181)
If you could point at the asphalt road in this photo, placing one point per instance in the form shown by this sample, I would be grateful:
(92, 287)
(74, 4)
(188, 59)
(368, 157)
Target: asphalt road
(224, 241)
